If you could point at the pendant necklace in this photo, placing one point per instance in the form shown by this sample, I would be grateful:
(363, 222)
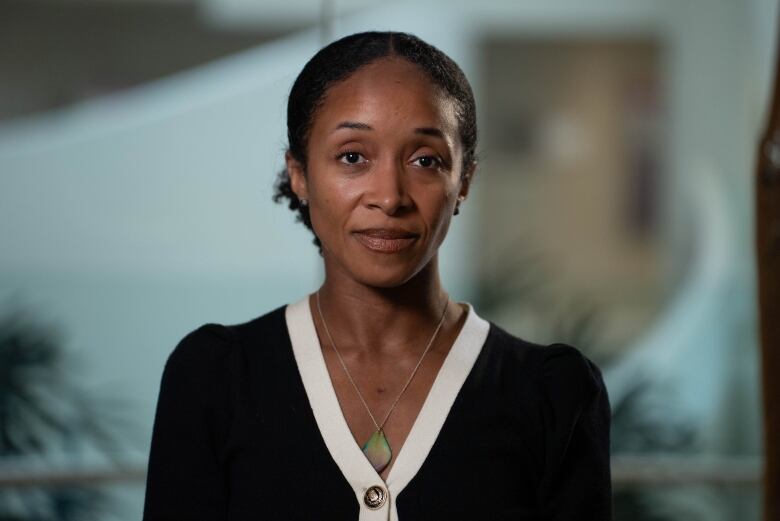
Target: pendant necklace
(377, 449)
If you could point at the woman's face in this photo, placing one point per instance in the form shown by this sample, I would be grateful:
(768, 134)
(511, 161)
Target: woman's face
(383, 174)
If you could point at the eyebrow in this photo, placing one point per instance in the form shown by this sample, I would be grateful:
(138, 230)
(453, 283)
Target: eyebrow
(355, 125)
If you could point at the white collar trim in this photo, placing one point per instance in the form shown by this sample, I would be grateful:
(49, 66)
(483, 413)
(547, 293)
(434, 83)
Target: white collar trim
(335, 430)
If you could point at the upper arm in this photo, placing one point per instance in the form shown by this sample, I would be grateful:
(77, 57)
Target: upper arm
(576, 482)
(185, 480)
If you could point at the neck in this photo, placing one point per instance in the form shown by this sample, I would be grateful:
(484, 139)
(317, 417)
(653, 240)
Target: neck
(368, 318)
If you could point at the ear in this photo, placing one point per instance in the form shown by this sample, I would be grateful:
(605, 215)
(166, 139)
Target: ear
(297, 176)
(466, 178)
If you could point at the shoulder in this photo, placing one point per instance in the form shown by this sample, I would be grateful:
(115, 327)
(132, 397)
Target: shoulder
(560, 371)
(212, 340)
(570, 379)
(207, 352)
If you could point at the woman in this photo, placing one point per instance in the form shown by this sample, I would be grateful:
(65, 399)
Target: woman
(378, 397)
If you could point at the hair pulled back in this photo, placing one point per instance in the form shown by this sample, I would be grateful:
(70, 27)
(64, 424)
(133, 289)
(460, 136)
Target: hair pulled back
(341, 58)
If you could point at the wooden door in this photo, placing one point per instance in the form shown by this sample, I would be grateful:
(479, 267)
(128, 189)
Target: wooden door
(768, 258)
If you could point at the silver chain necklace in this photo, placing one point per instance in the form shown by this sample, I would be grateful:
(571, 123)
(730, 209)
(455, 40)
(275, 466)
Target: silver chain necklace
(377, 448)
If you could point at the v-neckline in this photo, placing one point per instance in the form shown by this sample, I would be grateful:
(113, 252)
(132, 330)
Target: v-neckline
(333, 425)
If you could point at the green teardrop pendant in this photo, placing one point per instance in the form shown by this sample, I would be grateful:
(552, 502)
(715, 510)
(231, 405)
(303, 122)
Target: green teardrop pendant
(377, 450)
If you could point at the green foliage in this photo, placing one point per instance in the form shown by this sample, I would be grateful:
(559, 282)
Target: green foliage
(45, 414)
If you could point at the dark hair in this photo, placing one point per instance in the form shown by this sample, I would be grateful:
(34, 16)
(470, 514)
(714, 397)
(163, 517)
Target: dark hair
(336, 62)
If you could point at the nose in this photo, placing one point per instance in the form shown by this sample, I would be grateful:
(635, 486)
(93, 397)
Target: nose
(387, 189)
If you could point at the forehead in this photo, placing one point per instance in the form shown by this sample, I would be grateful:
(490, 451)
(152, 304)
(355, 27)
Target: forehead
(387, 92)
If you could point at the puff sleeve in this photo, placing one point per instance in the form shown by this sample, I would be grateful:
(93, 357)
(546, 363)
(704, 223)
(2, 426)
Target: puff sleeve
(185, 480)
(575, 412)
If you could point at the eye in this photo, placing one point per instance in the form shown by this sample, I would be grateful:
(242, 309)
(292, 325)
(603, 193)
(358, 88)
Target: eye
(427, 161)
(351, 158)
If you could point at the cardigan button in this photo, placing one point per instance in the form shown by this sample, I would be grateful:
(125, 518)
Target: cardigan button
(375, 497)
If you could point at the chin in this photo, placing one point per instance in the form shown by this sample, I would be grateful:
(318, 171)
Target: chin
(380, 270)
(379, 277)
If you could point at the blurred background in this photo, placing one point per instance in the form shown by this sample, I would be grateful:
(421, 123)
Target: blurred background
(140, 140)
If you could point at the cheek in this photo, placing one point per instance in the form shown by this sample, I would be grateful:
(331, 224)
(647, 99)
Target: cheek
(445, 199)
(445, 217)
(331, 205)
(336, 198)
(439, 210)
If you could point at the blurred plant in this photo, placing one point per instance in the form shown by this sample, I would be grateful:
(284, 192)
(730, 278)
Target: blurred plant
(642, 424)
(44, 415)
(519, 281)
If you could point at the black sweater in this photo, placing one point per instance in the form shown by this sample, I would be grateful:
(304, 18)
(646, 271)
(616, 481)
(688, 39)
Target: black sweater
(527, 437)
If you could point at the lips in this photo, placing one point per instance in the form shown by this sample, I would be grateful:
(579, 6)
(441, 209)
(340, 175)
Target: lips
(385, 240)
